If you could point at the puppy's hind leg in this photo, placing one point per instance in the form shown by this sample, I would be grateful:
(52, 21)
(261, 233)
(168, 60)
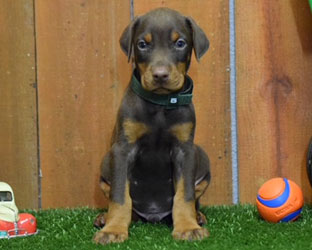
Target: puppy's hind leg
(105, 186)
(202, 180)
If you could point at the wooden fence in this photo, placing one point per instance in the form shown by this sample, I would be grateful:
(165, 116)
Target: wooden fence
(62, 76)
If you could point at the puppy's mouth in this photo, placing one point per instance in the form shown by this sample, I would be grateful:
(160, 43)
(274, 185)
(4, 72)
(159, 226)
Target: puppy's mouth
(173, 84)
(162, 91)
(162, 88)
(162, 78)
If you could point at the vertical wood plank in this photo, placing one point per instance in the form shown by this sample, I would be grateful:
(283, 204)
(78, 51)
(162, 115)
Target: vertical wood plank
(211, 94)
(82, 73)
(18, 130)
(274, 62)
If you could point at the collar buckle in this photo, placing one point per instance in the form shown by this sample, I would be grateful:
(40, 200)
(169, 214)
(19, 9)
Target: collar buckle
(173, 100)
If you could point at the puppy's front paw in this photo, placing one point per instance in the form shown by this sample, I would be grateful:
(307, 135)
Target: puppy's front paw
(190, 234)
(104, 238)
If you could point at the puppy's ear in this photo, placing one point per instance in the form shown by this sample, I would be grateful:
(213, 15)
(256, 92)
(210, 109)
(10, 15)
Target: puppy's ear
(126, 39)
(200, 41)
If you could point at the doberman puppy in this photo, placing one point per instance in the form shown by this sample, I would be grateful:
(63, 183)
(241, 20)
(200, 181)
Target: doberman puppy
(153, 170)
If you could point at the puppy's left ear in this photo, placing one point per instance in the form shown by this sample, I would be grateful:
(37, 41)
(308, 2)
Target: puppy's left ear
(200, 41)
(126, 39)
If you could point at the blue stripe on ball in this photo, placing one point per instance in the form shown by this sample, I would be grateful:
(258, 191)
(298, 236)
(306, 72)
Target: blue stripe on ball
(291, 216)
(279, 201)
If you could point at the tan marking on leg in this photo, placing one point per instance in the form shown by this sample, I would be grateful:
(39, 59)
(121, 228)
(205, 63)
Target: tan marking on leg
(174, 36)
(118, 219)
(182, 131)
(201, 188)
(184, 212)
(185, 217)
(105, 188)
(148, 37)
(134, 130)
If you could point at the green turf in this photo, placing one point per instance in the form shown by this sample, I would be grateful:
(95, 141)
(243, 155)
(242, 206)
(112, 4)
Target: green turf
(231, 227)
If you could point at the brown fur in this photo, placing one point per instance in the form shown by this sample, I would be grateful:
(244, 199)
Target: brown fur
(182, 131)
(201, 188)
(184, 217)
(175, 36)
(105, 188)
(148, 37)
(175, 81)
(117, 221)
(152, 151)
(134, 130)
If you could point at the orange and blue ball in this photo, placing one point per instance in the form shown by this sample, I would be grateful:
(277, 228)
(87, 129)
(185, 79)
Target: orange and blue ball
(280, 200)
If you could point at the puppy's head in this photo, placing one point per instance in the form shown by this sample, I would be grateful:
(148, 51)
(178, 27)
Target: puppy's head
(161, 43)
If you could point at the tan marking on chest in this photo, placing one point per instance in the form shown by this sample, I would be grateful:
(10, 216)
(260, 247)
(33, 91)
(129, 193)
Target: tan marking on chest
(134, 130)
(182, 131)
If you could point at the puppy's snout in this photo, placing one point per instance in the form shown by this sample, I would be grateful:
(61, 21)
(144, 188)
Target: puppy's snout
(160, 74)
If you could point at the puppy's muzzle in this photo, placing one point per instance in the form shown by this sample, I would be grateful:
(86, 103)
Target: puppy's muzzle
(160, 74)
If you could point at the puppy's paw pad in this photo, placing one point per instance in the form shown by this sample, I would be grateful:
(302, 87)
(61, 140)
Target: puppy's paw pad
(192, 234)
(105, 238)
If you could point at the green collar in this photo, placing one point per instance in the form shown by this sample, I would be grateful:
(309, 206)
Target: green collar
(170, 101)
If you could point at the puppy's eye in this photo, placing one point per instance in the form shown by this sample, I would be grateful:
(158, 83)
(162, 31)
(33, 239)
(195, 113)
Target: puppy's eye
(142, 45)
(180, 44)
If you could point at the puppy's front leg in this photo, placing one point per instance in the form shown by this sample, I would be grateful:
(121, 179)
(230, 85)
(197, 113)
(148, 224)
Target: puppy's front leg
(184, 211)
(118, 217)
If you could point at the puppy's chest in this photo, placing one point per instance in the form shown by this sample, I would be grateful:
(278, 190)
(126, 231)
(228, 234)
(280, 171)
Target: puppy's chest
(151, 175)
(157, 130)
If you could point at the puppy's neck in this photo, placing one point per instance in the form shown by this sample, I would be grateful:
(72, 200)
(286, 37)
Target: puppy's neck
(169, 101)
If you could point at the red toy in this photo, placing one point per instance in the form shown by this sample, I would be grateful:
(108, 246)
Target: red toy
(13, 224)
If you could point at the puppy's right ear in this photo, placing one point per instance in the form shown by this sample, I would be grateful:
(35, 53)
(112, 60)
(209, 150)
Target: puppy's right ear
(126, 39)
(200, 41)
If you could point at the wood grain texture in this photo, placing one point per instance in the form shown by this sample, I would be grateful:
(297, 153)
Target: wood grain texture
(274, 62)
(18, 130)
(82, 74)
(211, 93)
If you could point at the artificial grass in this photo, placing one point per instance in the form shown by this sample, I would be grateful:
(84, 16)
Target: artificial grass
(231, 227)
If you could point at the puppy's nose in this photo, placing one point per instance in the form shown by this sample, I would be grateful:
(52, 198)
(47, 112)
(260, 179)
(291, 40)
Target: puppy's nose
(161, 74)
